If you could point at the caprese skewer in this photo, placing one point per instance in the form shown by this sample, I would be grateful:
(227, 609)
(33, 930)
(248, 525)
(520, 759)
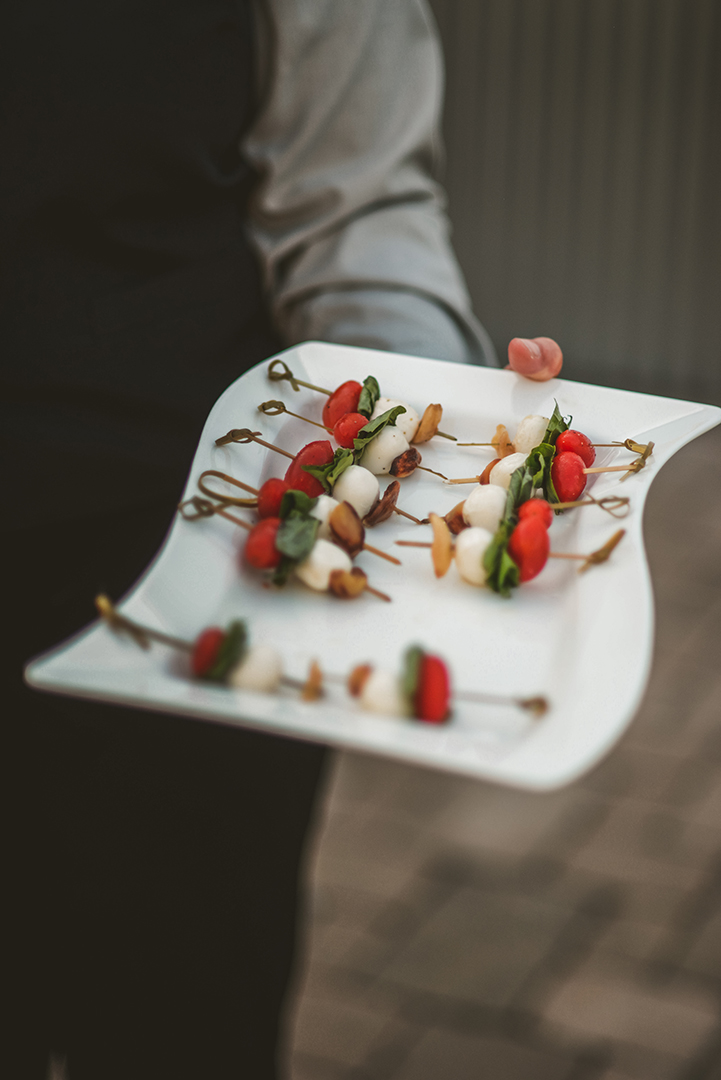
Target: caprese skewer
(514, 553)
(292, 542)
(422, 690)
(352, 397)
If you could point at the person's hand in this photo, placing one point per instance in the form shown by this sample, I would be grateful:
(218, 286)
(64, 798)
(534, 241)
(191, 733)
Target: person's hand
(536, 358)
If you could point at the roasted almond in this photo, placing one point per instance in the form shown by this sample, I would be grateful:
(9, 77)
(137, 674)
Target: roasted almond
(313, 688)
(485, 477)
(347, 528)
(454, 519)
(358, 678)
(385, 505)
(501, 442)
(429, 424)
(442, 546)
(348, 583)
(406, 463)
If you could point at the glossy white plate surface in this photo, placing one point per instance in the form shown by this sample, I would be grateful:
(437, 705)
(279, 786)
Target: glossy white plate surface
(582, 640)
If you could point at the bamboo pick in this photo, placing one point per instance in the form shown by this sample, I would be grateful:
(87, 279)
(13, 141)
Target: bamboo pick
(142, 635)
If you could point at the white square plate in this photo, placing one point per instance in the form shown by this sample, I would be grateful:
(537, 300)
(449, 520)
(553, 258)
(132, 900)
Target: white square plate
(584, 641)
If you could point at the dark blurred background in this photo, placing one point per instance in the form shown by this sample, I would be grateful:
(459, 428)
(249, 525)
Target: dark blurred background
(583, 164)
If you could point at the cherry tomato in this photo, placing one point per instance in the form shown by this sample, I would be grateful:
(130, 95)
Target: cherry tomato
(341, 401)
(314, 453)
(568, 476)
(205, 650)
(536, 508)
(269, 497)
(433, 691)
(529, 546)
(260, 550)
(347, 428)
(579, 443)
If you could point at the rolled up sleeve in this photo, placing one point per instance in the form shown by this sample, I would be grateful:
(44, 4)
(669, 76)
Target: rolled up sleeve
(348, 218)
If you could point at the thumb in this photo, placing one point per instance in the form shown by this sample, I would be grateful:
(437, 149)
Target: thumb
(536, 358)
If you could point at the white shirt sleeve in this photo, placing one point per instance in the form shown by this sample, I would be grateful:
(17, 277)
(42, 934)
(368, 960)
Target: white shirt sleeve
(347, 218)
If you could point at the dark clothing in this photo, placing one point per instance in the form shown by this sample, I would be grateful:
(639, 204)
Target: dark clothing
(154, 859)
(129, 295)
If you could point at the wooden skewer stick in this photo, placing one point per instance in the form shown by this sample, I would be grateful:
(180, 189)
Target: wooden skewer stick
(381, 554)
(142, 635)
(228, 500)
(278, 408)
(415, 520)
(285, 373)
(608, 468)
(596, 557)
(205, 508)
(245, 435)
(378, 593)
(537, 706)
(634, 467)
(424, 468)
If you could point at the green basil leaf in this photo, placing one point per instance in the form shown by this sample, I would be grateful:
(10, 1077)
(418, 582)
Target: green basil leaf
(329, 474)
(375, 427)
(556, 425)
(368, 396)
(296, 536)
(231, 652)
(520, 488)
(502, 571)
(283, 570)
(295, 502)
(410, 674)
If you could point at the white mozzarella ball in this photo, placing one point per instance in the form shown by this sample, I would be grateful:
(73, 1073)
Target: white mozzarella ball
(530, 433)
(485, 506)
(322, 511)
(358, 487)
(381, 693)
(261, 669)
(471, 546)
(407, 422)
(324, 558)
(382, 451)
(502, 472)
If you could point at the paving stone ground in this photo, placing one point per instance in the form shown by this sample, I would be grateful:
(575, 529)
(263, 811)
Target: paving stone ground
(464, 930)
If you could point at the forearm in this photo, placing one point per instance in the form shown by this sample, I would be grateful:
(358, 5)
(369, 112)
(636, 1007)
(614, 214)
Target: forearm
(348, 219)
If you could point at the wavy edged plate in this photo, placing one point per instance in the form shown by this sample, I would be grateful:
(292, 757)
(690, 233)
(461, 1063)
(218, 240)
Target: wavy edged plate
(584, 641)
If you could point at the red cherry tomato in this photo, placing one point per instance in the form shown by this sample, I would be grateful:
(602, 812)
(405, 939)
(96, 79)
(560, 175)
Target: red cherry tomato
(260, 551)
(536, 508)
(529, 546)
(314, 453)
(579, 443)
(347, 428)
(568, 476)
(341, 401)
(205, 650)
(269, 497)
(433, 691)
